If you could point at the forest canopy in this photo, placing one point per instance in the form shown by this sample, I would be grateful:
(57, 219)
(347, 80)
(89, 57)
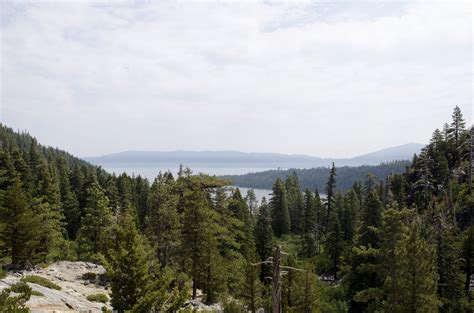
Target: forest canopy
(403, 243)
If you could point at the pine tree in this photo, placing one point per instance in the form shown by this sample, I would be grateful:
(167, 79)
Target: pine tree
(200, 245)
(348, 216)
(364, 281)
(468, 256)
(95, 224)
(140, 195)
(320, 217)
(264, 238)
(251, 200)
(279, 209)
(392, 231)
(127, 264)
(295, 203)
(163, 224)
(330, 193)
(371, 220)
(309, 224)
(46, 207)
(417, 277)
(450, 283)
(306, 292)
(69, 203)
(238, 206)
(457, 125)
(252, 287)
(334, 245)
(423, 187)
(18, 225)
(166, 292)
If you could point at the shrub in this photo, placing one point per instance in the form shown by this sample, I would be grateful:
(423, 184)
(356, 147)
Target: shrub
(98, 297)
(40, 281)
(20, 287)
(90, 276)
(15, 302)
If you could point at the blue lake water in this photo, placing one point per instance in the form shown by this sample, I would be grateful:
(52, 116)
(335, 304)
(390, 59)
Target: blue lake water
(150, 172)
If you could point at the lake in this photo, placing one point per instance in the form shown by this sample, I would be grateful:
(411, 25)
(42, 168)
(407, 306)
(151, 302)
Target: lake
(151, 172)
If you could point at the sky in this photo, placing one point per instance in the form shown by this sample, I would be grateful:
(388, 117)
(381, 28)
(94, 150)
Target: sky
(330, 79)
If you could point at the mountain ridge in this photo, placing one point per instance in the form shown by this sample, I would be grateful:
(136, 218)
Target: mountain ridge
(258, 159)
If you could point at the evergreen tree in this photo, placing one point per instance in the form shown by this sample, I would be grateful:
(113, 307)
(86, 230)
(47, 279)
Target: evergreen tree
(251, 200)
(127, 264)
(252, 286)
(309, 224)
(140, 195)
(306, 292)
(364, 281)
(264, 238)
(163, 225)
(295, 202)
(279, 207)
(95, 224)
(200, 246)
(450, 283)
(371, 220)
(417, 277)
(330, 193)
(18, 225)
(468, 256)
(166, 292)
(348, 216)
(334, 245)
(392, 231)
(70, 205)
(457, 126)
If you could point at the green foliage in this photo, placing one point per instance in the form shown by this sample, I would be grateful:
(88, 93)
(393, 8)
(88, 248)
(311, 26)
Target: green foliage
(40, 281)
(334, 245)
(163, 224)
(91, 276)
(333, 299)
(200, 240)
(415, 288)
(98, 297)
(19, 225)
(316, 178)
(127, 264)
(166, 292)
(395, 243)
(450, 284)
(279, 209)
(233, 306)
(263, 235)
(95, 223)
(13, 299)
(330, 193)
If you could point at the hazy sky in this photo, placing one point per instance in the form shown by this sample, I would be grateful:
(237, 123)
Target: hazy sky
(322, 78)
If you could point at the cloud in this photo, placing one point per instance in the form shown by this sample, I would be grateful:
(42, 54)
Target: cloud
(318, 78)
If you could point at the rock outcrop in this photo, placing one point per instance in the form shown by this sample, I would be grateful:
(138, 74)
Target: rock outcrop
(74, 288)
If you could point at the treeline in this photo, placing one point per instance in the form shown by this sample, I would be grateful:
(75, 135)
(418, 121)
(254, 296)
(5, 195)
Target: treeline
(315, 178)
(401, 244)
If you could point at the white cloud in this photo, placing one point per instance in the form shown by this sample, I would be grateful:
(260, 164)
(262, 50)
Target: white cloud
(318, 78)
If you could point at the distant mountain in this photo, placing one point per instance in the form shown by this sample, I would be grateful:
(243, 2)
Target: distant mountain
(245, 159)
(403, 152)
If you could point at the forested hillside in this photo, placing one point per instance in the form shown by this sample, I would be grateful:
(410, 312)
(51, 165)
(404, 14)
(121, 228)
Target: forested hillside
(404, 244)
(315, 178)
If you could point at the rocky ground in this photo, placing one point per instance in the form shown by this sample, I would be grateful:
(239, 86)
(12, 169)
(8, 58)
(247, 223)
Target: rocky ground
(74, 289)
